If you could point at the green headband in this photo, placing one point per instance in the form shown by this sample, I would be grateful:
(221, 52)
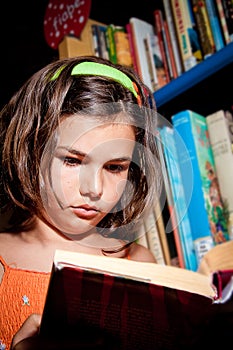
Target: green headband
(93, 68)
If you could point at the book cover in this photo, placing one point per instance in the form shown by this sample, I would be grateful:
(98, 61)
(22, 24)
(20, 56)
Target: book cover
(203, 27)
(220, 140)
(139, 305)
(188, 59)
(205, 206)
(215, 24)
(180, 207)
(140, 30)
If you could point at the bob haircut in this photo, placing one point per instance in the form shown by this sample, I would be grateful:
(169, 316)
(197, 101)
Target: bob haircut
(29, 122)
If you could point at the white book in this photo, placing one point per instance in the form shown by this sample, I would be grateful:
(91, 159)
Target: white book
(140, 30)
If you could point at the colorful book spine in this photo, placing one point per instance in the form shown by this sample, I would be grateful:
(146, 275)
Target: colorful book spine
(220, 140)
(215, 24)
(222, 20)
(180, 207)
(111, 43)
(205, 206)
(228, 11)
(170, 221)
(123, 48)
(203, 27)
(148, 41)
(159, 31)
(174, 39)
(187, 56)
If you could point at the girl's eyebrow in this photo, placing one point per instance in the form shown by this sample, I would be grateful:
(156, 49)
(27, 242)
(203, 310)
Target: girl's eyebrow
(82, 154)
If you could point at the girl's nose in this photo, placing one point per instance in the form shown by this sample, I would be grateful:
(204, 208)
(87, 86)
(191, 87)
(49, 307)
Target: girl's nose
(91, 183)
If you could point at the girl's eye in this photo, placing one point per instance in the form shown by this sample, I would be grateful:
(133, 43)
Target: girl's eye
(117, 168)
(70, 161)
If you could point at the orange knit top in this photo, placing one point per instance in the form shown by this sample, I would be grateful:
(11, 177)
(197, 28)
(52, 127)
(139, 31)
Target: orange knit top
(22, 292)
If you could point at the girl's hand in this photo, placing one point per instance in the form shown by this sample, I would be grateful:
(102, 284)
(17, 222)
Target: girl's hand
(29, 328)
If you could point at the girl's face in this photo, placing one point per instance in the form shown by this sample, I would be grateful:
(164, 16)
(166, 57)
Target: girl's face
(87, 174)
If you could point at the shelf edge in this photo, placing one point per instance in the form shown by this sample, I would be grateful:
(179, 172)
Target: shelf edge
(195, 75)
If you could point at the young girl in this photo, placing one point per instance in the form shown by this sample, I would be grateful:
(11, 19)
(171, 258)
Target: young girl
(78, 171)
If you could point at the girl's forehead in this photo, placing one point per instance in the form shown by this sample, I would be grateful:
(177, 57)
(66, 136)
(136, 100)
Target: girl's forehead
(78, 129)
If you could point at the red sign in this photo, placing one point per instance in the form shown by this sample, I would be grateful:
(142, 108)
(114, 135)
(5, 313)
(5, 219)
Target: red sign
(65, 17)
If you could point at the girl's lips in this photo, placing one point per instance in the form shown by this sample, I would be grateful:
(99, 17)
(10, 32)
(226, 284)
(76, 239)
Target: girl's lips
(85, 212)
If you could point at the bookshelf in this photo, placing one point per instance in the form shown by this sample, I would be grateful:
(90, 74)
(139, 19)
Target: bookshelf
(204, 88)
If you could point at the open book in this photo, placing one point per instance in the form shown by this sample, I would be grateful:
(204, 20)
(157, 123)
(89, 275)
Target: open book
(140, 305)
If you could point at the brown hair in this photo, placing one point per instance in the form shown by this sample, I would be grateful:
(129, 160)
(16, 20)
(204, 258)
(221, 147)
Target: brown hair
(31, 117)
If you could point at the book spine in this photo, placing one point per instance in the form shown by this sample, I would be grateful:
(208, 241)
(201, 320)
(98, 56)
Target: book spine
(201, 189)
(215, 25)
(111, 43)
(160, 36)
(220, 141)
(158, 61)
(228, 11)
(188, 59)
(173, 35)
(96, 44)
(131, 46)
(162, 233)
(222, 21)
(148, 41)
(203, 28)
(123, 49)
(180, 207)
(171, 226)
(153, 239)
(170, 52)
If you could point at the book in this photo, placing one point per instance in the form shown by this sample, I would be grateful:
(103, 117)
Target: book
(217, 259)
(139, 305)
(72, 46)
(220, 140)
(153, 239)
(162, 234)
(180, 207)
(162, 78)
(222, 20)
(188, 59)
(100, 40)
(170, 221)
(111, 41)
(149, 42)
(140, 30)
(203, 198)
(215, 24)
(131, 46)
(192, 31)
(228, 12)
(163, 43)
(173, 36)
(203, 27)
(123, 52)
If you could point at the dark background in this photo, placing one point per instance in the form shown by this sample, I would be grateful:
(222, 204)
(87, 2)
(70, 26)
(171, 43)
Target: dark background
(23, 46)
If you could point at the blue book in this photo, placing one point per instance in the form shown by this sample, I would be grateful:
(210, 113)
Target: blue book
(205, 206)
(215, 24)
(180, 207)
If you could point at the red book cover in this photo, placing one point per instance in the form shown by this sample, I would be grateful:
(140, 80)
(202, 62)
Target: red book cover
(134, 312)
